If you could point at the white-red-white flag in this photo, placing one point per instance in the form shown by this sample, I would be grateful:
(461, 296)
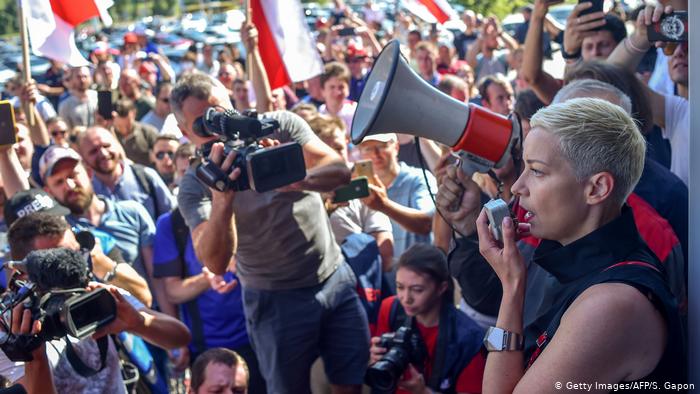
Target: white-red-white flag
(51, 25)
(431, 11)
(287, 48)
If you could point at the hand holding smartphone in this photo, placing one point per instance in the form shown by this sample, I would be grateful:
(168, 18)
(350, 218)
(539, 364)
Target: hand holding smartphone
(104, 104)
(357, 188)
(596, 7)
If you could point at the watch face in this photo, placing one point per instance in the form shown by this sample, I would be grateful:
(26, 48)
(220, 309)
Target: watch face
(494, 339)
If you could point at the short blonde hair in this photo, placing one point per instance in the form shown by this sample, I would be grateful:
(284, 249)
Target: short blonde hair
(597, 136)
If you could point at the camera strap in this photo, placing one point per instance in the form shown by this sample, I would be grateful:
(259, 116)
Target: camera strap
(434, 381)
(78, 364)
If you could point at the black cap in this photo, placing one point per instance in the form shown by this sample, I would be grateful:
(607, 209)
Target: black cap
(29, 201)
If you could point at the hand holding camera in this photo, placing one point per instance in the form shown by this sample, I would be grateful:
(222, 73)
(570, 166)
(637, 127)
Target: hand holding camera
(253, 160)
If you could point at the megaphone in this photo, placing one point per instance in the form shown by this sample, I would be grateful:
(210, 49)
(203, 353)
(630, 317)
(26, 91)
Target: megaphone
(397, 100)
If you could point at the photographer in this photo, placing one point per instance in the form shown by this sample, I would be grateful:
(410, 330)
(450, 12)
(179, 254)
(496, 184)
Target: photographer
(449, 342)
(65, 268)
(286, 257)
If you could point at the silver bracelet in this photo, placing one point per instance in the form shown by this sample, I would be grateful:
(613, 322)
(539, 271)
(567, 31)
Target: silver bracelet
(632, 47)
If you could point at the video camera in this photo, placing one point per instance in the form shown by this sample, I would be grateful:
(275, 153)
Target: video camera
(54, 293)
(262, 169)
(403, 346)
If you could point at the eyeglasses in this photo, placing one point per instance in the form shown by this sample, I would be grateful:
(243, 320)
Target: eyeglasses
(368, 150)
(56, 133)
(161, 155)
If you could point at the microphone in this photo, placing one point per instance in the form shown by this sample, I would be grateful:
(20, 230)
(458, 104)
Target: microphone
(19, 265)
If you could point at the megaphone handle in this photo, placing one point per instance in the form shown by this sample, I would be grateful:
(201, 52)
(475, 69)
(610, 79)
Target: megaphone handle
(469, 168)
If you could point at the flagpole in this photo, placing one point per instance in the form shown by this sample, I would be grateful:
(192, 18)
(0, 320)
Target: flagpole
(26, 70)
(248, 55)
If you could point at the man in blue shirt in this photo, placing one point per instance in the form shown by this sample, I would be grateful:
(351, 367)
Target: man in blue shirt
(210, 305)
(115, 178)
(399, 191)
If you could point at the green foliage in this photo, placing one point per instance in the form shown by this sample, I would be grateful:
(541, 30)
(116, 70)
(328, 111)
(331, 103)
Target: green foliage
(8, 17)
(500, 8)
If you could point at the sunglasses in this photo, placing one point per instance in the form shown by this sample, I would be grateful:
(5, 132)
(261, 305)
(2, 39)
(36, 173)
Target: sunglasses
(56, 133)
(161, 155)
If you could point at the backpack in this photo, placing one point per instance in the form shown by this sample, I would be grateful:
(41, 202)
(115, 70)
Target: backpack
(147, 185)
(362, 254)
(181, 233)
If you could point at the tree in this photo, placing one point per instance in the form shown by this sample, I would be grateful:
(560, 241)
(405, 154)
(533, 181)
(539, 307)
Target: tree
(500, 8)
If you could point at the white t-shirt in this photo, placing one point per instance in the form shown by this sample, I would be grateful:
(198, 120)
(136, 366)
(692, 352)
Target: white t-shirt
(357, 218)
(660, 80)
(677, 131)
(347, 111)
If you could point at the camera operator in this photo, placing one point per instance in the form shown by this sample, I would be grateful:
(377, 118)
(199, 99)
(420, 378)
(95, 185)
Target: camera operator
(449, 352)
(295, 281)
(36, 230)
(131, 315)
(37, 373)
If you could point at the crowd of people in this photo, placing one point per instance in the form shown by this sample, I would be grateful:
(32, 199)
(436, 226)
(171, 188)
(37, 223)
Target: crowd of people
(403, 290)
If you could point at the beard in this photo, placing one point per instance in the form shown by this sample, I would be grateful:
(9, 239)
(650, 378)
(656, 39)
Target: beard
(105, 166)
(81, 202)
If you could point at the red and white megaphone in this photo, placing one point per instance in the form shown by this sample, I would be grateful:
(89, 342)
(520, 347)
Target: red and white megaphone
(397, 100)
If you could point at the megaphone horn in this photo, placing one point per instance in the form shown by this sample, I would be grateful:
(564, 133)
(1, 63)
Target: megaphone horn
(397, 100)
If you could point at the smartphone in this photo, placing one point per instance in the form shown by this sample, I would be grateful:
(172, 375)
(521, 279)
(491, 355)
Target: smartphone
(672, 27)
(364, 168)
(8, 135)
(104, 104)
(357, 188)
(596, 7)
(346, 31)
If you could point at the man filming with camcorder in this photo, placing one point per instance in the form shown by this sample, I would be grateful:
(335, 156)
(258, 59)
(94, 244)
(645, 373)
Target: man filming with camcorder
(298, 293)
(76, 315)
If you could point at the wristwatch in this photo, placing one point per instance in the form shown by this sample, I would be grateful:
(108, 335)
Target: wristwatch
(570, 56)
(111, 274)
(499, 340)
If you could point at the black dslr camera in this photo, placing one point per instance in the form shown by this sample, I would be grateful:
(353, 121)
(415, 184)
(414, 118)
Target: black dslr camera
(262, 169)
(404, 347)
(55, 295)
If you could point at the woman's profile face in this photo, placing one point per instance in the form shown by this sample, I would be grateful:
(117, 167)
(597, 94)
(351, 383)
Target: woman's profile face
(418, 293)
(549, 191)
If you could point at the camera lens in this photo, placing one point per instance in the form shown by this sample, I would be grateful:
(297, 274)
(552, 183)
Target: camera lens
(385, 373)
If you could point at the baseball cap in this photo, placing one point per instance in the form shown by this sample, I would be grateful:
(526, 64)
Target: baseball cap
(30, 201)
(130, 38)
(355, 51)
(52, 156)
(381, 137)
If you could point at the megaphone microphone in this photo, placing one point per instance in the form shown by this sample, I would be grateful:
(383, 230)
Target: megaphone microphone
(397, 100)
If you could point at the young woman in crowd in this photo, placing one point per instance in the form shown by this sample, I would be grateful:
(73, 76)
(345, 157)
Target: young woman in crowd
(446, 353)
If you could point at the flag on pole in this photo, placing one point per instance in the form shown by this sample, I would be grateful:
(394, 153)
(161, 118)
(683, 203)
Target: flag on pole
(51, 25)
(287, 49)
(431, 11)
